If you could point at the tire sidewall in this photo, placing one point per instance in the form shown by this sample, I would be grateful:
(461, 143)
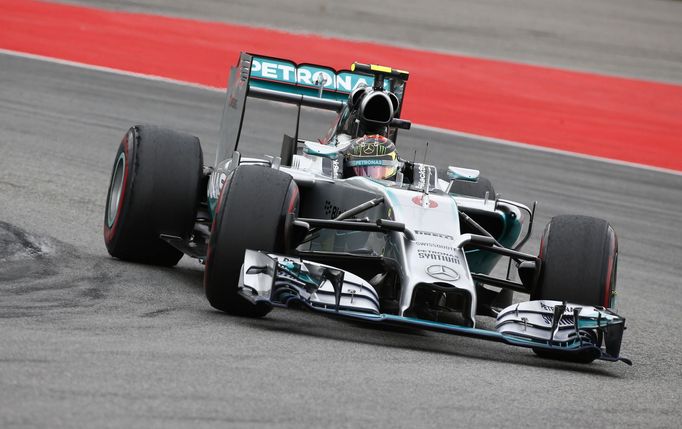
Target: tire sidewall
(128, 149)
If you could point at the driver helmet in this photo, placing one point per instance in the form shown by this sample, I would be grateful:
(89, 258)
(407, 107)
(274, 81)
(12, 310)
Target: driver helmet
(372, 156)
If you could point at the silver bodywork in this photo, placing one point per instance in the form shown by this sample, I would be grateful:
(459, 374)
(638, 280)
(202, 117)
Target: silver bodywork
(534, 320)
(430, 252)
(264, 273)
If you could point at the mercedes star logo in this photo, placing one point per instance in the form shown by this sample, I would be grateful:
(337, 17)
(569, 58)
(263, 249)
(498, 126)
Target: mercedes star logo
(441, 272)
(369, 148)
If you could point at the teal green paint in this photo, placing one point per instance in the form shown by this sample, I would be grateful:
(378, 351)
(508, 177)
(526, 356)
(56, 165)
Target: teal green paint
(287, 76)
(483, 262)
(311, 151)
(212, 205)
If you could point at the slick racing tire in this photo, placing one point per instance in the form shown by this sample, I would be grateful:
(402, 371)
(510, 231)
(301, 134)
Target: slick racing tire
(254, 211)
(579, 257)
(473, 189)
(154, 189)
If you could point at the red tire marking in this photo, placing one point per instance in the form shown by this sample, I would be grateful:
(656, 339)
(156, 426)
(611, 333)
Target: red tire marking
(293, 201)
(625, 119)
(109, 233)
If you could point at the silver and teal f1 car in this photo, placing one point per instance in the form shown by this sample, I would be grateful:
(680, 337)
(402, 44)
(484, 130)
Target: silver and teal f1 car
(300, 228)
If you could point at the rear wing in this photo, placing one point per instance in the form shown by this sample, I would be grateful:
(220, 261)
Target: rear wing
(281, 80)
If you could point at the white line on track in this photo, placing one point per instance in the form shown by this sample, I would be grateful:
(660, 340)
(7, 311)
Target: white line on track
(108, 70)
(549, 150)
(417, 126)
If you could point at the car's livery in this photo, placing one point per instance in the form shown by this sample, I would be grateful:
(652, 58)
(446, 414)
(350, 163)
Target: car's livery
(302, 229)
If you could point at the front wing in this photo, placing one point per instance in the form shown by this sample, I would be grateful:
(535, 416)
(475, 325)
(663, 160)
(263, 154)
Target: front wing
(581, 332)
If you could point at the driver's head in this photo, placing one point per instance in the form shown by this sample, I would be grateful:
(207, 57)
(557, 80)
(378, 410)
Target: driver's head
(371, 156)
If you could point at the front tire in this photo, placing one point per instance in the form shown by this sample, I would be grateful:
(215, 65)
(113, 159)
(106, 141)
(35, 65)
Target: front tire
(154, 190)
(254, 209)
(579, 257)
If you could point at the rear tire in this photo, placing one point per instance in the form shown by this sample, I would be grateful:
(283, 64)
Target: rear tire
(473, 189)
(579, 257)
(253, 213)
(154, 190)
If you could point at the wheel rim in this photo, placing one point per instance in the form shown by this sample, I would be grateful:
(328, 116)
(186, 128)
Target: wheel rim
(116, 189)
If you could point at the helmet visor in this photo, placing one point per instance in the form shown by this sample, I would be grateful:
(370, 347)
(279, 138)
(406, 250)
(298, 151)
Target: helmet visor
(376, 169)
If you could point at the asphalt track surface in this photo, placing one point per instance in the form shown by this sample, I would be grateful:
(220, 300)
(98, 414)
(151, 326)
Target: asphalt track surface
(89, 341)
(634, 38)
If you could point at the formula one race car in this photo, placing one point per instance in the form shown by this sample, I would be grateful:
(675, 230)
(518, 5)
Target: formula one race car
(346, 227)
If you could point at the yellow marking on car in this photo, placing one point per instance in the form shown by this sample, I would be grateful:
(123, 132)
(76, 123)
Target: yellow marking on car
(381, 69)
